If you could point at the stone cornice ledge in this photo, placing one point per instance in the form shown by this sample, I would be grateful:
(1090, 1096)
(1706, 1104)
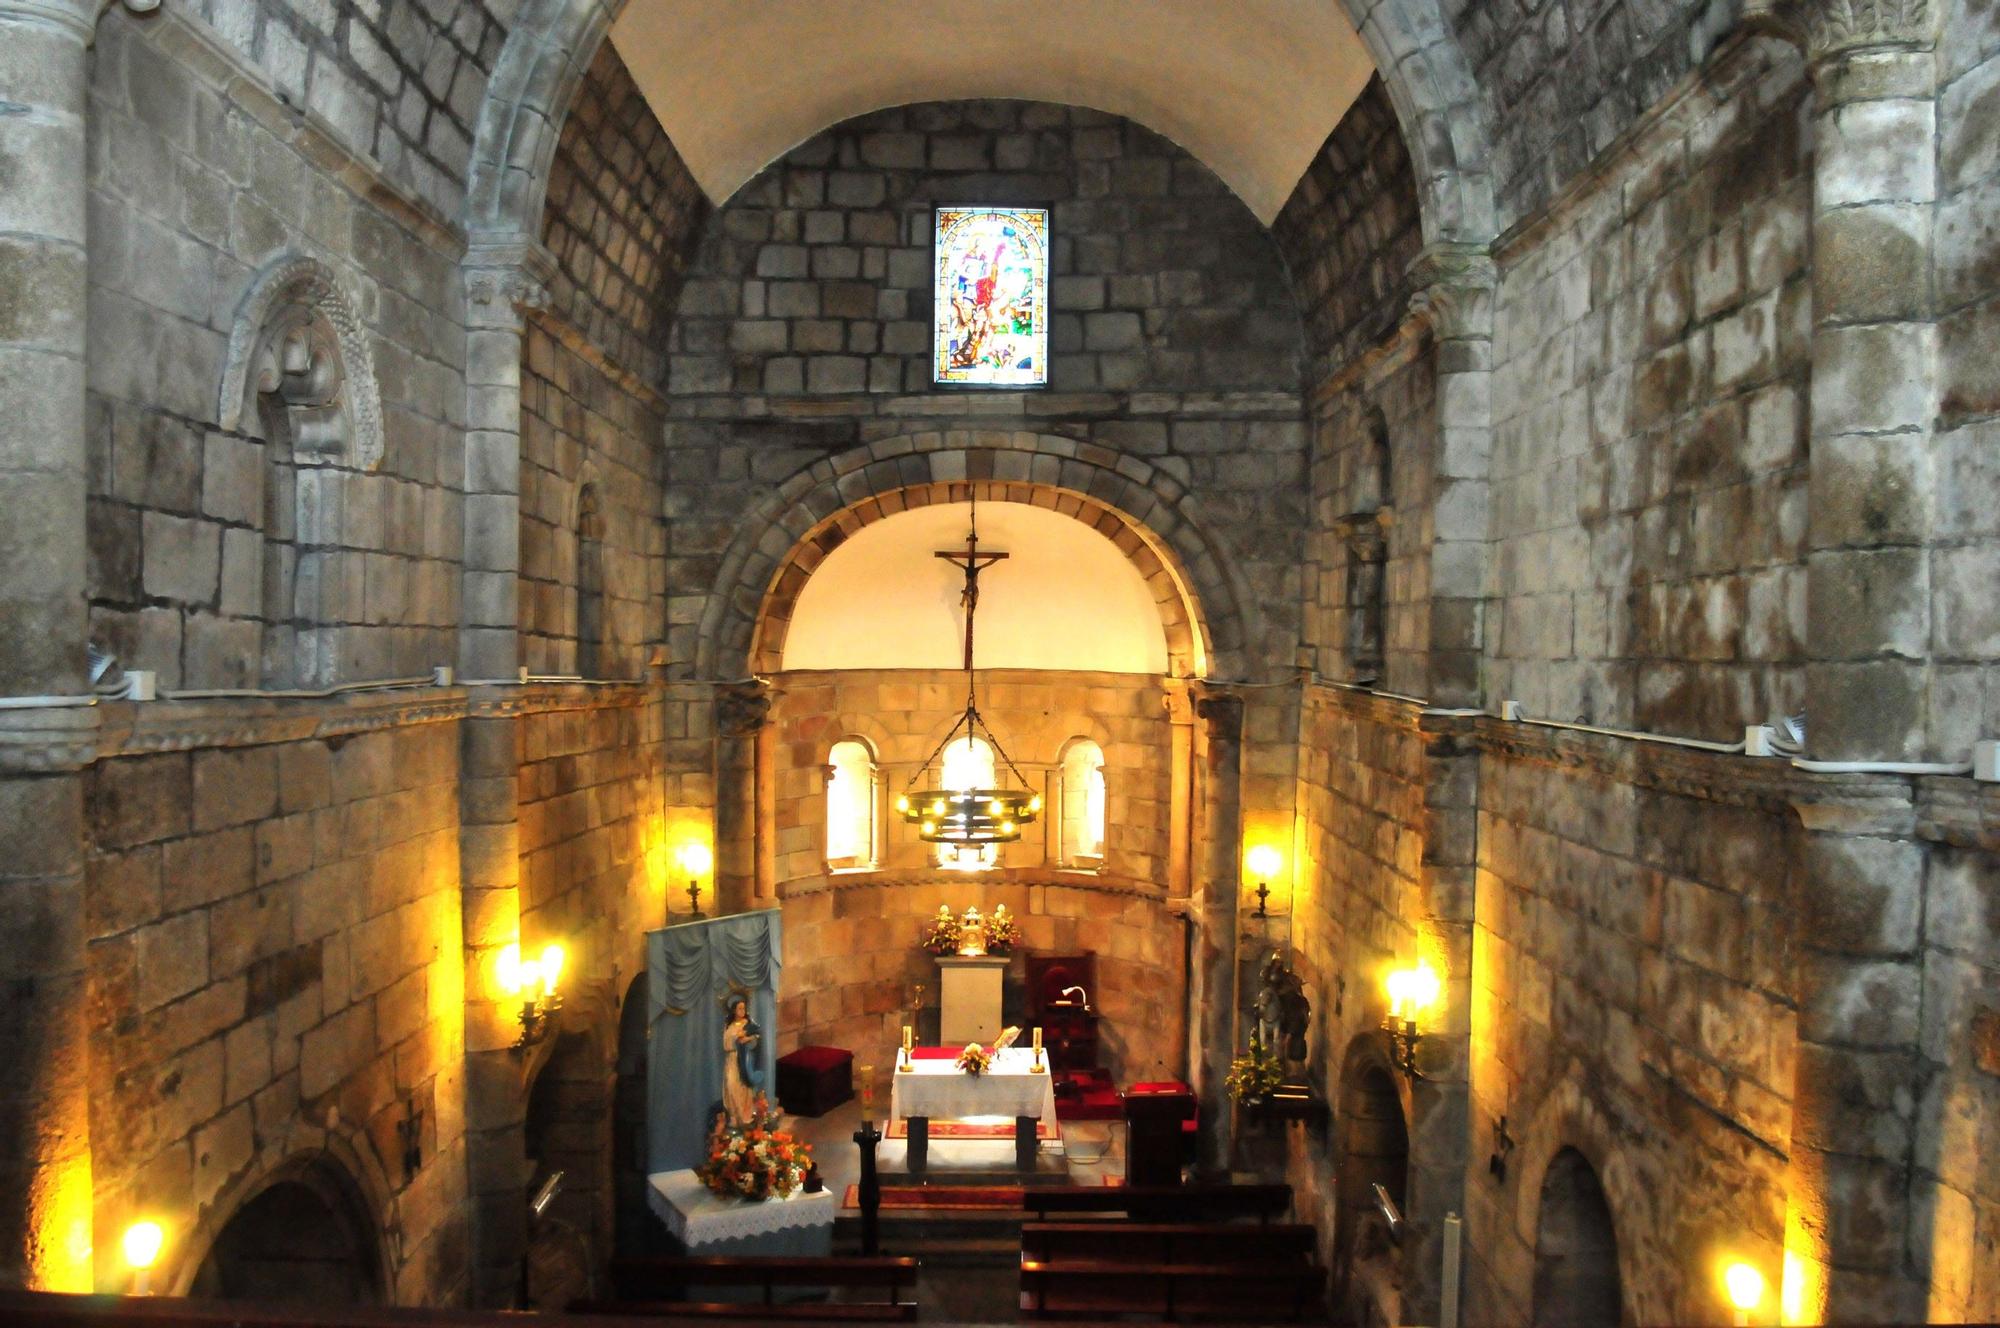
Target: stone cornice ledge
(1103, 883)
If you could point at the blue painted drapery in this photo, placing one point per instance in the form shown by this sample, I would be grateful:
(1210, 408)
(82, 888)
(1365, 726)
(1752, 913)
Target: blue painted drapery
(691, 971)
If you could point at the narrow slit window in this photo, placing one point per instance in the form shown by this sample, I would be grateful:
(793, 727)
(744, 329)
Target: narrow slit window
(850, 807)
(1082, 839)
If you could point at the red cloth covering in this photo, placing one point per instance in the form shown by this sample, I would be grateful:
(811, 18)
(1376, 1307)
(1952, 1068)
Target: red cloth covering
(935, 1053)
(816, 1058)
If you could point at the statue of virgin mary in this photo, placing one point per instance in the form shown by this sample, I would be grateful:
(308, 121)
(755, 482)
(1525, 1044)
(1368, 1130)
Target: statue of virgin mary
(740, 1078)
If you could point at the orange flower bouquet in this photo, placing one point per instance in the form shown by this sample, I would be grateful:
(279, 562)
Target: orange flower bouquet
(755, 1160)
(974, 1059)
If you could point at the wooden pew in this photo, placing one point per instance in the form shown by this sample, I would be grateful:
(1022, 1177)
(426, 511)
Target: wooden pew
(658, 1287)
(1241, 1291)
(1155, 1242)
(1161, 1203)
(53, 1309)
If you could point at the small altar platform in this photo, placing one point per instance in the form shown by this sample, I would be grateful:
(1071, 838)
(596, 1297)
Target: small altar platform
(705, 1223)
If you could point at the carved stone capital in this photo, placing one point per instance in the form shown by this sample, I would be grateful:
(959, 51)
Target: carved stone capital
(742, 710)
(1223, 713)
(504, 280)
(1451, 288)
(1826, 29)
(77, 18)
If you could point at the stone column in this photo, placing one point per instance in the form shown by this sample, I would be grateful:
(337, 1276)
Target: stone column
(45, 1176)
(1452, 289)
(1874, 372)
(489, 847)
(502, 283)
(1179, 700)
(741, 714)
(1212, 991)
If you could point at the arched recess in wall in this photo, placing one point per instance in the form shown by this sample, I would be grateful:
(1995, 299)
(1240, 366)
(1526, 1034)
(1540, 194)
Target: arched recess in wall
(1576, 1248)
(304, 1236)
(568, 1129)
(1148, 514)
(552, 43)
(1373, 1148)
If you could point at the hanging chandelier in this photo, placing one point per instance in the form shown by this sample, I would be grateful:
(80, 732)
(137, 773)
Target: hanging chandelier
(943, 800)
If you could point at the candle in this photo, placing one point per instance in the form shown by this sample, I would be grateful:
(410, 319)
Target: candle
(906, 1039)
(867, 1093)
(1038, 1039)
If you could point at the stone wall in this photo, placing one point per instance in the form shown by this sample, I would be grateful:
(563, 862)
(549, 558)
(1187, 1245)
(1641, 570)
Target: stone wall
(584, 426)
(622, 214)
(1649, 463)
(1350, 230)
(199, 528)
(851, 937)
(398, 82)
(1562, 81)
(273, 972)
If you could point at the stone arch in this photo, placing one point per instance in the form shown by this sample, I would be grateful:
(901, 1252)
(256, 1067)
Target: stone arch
(1436, 97)
(1372, 1144)
(1147, 513)
(1576, 1247)
(1569, 1119)
(297, 336)
(338, 1171)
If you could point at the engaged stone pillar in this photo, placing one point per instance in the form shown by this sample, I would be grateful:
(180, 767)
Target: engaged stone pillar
(1213, 1018)
(489, 847)
(502, 282)
(1453, 291)
(45, 1179)
(1874, 373)
(741, 715)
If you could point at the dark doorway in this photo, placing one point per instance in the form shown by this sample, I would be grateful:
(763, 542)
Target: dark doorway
(1576, 1248)
(302, 1240)
(637, 1231)
(1374, 1150)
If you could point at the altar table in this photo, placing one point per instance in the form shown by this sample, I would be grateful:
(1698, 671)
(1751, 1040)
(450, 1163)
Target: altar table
(1009, 1087)
(705, 1223)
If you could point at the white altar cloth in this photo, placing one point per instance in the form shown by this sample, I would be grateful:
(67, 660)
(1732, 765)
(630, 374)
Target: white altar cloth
(696, 1215)
(939, 1090)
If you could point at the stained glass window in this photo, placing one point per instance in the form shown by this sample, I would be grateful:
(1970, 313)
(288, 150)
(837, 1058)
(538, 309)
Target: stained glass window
(990, 304)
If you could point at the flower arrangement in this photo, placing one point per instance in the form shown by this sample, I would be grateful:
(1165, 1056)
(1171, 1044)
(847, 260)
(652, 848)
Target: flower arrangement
(1255, 1074)
(1003, 933)
(974, 1059)
(755, 1160)
(942, 937)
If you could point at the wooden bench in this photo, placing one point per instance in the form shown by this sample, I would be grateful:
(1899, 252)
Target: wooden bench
(1243, 1291)
(54, 1309)
(1155, 1242)
(1162, 1203)
(658, 1288)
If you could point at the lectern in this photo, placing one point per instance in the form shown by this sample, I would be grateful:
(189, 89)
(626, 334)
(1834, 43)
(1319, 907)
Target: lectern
(1155, 1126)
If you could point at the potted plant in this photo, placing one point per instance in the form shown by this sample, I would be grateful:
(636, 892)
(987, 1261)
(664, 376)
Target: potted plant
(755, 1160)
(1254, 1075)
(941, 938)
(1003, 933)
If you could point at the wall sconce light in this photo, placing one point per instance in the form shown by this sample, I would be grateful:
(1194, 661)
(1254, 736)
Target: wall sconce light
(697, 860)
(1411, 992)
(1744, 1286)
(533, 981)
(141, 1247)
(1264, 863)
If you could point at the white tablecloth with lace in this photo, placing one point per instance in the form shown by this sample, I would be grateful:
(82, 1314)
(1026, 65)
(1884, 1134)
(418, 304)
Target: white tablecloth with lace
(938, 1089)
(700, 1219)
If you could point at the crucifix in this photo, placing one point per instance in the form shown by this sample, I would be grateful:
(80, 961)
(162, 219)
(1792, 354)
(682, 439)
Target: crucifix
(974, 562)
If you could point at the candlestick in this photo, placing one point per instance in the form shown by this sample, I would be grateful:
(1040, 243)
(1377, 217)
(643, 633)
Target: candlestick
(867, 1094)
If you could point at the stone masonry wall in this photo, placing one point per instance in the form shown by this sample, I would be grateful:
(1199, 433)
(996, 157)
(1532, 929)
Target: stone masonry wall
(399, 81)
(273, 962)
(581, 425)
(1349, 231)
(192, 197)
(1648, 467)
(851, 937)
(1563, 78)
(816, 276)
(621, 216)
(1965, 513)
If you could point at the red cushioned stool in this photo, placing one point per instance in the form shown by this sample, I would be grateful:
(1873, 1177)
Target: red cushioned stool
(814, 1080)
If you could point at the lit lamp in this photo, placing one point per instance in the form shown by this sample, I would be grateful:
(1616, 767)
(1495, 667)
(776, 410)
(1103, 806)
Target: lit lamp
(1264, 863)
(141, 1247)
(697, 861)
(1411, 992)
(1745, 1288)
(533, 982)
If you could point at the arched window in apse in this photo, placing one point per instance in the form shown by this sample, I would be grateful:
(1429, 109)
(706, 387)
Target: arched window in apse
(850, 806)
